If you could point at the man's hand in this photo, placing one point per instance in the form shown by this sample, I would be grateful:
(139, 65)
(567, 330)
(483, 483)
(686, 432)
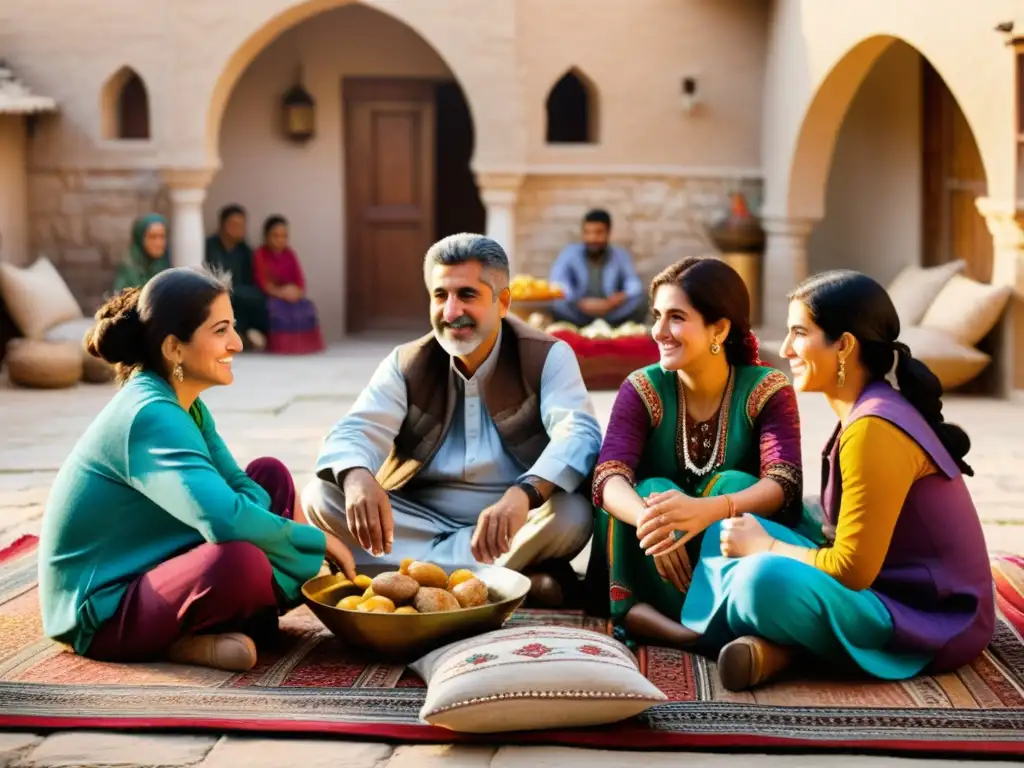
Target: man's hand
(616, 300)
(593, 306)
(498, 524)
(368, 512)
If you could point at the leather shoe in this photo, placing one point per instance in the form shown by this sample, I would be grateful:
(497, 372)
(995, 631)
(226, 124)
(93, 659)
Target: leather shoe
(231, 651)
(747, 662)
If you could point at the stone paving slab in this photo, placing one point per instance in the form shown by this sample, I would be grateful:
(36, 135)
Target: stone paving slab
(444, 756)
(96, 749)
(243, 752)
(15, 745)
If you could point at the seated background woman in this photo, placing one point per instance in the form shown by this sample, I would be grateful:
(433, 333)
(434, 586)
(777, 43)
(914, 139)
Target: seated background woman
(707, 433)
(147, 255)
(294, 327)
(154, 543)
(897, 579)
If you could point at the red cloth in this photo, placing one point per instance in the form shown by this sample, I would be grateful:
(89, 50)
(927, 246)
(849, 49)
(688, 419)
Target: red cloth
(640, 347)
(210, 588)
(295, 342)
(277, 268)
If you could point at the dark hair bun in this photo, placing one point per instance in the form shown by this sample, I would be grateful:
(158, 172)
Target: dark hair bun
(118, 336)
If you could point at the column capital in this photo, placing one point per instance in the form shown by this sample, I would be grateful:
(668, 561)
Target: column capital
(187, 178)
(1005, 221)
(787, 226)
(493, 181)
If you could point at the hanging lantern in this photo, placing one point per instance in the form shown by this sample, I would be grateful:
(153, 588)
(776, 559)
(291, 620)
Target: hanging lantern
(299, 111)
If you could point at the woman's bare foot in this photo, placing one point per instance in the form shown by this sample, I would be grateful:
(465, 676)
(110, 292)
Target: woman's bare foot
(644, 622)
(747, 662)
(232, 651)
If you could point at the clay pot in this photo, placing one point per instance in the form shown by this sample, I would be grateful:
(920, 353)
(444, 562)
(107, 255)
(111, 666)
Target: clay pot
(739, 231)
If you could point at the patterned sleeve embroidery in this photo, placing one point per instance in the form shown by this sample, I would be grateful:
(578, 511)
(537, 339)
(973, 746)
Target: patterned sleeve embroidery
(774, 406)
(789, 477)
(649, 395)
(763, 392)
(605, 472)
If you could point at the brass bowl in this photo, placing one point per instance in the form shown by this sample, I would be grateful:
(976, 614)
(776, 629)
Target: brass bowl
(408, 636)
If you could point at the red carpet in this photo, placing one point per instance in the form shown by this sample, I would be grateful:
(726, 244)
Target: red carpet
(306, 682)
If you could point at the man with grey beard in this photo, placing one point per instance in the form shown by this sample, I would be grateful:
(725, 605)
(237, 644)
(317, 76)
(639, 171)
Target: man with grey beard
(469, 444)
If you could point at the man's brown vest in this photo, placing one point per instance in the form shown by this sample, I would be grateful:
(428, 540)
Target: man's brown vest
(511, 396)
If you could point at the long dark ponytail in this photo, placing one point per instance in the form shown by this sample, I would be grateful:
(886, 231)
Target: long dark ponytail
(843, 301)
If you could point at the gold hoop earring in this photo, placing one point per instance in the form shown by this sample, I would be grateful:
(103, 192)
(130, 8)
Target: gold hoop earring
(715, 348)
(178, 373)
(841, 376)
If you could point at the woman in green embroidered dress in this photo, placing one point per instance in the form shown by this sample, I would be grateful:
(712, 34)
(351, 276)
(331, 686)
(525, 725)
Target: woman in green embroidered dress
(709, 432)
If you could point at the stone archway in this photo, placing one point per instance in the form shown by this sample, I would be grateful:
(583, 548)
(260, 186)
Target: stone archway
(801, 145)
(887, 166)
(386, 172)
(485, 87)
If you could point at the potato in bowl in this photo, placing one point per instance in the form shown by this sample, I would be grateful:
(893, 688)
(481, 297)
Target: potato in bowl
(412, 615)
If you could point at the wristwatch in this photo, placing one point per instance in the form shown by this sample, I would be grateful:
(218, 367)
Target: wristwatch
(532, 493)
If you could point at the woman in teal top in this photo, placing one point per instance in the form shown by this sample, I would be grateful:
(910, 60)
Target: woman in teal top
(147, 255)
(154, 543)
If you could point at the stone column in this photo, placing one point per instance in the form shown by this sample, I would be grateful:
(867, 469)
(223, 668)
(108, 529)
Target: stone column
(499, 193)
(785, 265)
(187, 190)
(1006, 224)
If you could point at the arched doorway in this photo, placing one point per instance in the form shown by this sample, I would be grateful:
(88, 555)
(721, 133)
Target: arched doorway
(386, 174)
(888, 165)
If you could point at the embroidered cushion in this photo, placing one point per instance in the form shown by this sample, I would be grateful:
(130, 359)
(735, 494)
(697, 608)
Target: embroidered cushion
(530, 678)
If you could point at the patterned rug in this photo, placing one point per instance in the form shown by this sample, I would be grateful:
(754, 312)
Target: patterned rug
(306, 682)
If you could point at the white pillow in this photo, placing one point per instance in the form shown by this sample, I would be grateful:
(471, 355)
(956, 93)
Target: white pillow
(953, 363)
(531, 678)
(914, 289)
(36, 297)
(967, 310)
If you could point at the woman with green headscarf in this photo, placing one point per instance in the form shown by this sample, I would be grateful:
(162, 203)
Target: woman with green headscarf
(147, 255)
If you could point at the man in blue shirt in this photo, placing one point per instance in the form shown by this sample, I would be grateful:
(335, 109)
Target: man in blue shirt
(598, 278)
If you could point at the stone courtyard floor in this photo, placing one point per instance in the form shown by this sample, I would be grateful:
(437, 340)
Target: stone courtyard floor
(283, 407)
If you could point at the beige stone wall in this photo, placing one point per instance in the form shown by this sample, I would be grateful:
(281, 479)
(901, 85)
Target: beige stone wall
(636, 53)
(81, 220)
(659, 219)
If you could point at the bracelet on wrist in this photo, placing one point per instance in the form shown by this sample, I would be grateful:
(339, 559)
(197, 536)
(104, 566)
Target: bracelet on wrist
(534, 496)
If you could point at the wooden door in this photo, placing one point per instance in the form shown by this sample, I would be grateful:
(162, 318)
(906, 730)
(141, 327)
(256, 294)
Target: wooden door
(953, 178)
(389, 173)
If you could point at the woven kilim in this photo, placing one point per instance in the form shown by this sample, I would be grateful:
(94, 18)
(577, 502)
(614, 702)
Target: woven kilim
(306, 681)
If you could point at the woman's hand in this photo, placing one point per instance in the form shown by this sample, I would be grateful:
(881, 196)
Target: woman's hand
(671, 519)
(675, 568)
(744, 535)
(340, 555)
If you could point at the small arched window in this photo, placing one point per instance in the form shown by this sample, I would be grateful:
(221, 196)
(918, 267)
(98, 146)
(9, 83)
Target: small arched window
(125, 106)
(572, 110)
